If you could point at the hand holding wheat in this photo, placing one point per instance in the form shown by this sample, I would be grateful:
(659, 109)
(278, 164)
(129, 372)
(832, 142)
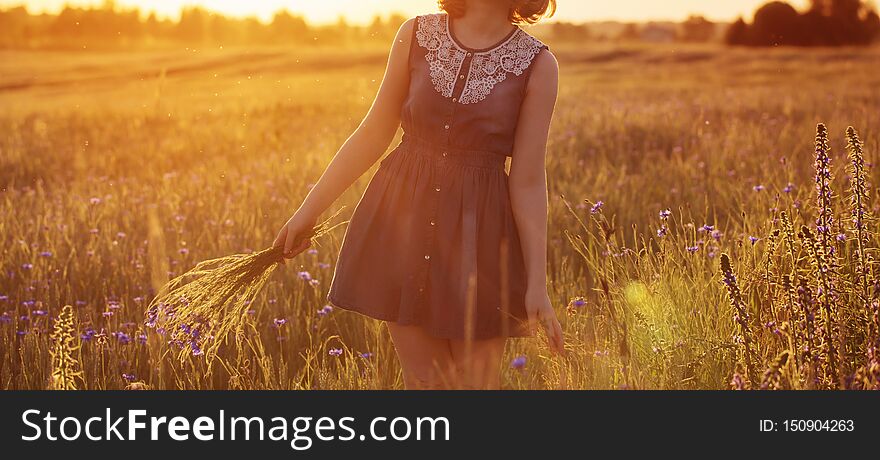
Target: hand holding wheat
(289, 239)
(198, 309)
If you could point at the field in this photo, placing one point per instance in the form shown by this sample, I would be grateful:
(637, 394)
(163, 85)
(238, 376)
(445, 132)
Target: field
(119, 170)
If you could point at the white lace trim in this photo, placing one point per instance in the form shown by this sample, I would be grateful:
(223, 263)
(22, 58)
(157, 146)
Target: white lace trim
(487, 69)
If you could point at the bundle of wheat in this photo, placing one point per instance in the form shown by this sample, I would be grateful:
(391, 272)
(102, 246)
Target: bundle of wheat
(198, 309)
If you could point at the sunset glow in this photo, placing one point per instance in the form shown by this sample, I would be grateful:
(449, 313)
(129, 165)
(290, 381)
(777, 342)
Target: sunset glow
(359, 11)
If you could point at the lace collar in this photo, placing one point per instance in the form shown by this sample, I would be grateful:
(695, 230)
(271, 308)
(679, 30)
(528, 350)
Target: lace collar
(488, 67)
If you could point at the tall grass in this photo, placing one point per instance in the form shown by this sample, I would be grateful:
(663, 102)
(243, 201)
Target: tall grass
(112, 190)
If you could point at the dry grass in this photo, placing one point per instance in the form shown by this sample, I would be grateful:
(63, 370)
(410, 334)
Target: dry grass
(119, 173)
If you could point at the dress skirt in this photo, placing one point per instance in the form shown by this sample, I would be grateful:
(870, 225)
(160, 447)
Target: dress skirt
(433, 243)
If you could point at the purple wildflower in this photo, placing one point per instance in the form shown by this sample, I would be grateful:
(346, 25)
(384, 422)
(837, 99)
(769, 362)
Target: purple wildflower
(152, 317)
(39, 313)
(305, 276)
(280, 322)
(122, 337)
(366, 355)
(45, 254)
(518, 363)
(27, 266)
(693, 249)
(758, 188)
(5, 318)
(326, 310)
(753, 240)
(128, 377)
(597, 207)
(335, 352)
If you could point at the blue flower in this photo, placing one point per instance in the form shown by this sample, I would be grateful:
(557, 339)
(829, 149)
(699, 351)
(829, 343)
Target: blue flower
(518, 363)
(88, 334)
(128, 377)
(122, 337)
(197, 351)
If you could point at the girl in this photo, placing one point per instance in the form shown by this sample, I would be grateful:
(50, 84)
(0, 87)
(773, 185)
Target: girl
(445, 246)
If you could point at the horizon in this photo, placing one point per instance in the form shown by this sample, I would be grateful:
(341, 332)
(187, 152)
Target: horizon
(360, 12)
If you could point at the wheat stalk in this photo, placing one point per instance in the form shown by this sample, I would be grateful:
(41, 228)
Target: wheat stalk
(197, 310)
(64, 363)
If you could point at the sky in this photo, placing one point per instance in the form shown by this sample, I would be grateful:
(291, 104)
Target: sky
(361, 11)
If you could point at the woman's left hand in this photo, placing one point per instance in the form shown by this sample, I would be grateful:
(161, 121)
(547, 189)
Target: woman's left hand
(540, 310)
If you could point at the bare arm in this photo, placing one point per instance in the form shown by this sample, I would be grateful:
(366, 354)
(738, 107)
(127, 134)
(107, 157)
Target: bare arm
(528, 190)
(362, 149)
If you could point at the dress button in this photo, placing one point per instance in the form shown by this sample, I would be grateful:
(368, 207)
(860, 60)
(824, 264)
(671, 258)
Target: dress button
(427, 257)
(461, 77)
(433, 223)
(445, 154)
(437, 189)
(455, 99)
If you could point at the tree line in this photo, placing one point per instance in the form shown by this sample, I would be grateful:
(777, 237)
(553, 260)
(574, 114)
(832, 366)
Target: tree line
(109, 26)
(824, 23)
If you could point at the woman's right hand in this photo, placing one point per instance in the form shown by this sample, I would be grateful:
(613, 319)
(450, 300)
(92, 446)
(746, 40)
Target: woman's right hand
(298, 224)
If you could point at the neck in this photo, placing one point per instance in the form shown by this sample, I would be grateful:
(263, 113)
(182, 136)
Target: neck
(488, 17)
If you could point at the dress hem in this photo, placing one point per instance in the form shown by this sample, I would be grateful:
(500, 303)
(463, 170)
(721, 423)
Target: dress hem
(432, 331)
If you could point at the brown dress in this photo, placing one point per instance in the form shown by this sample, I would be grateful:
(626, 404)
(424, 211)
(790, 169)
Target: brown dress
(433, 241)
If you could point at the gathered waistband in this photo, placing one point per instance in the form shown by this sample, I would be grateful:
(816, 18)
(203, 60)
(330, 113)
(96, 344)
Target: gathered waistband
(458, 156)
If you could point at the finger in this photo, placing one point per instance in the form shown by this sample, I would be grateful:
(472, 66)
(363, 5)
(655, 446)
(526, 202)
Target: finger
(289, 241)
(298, 249)
(558, 338)
(303, 245)
(280, 238)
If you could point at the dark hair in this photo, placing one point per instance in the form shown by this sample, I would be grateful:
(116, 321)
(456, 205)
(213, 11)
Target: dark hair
(521, 11)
